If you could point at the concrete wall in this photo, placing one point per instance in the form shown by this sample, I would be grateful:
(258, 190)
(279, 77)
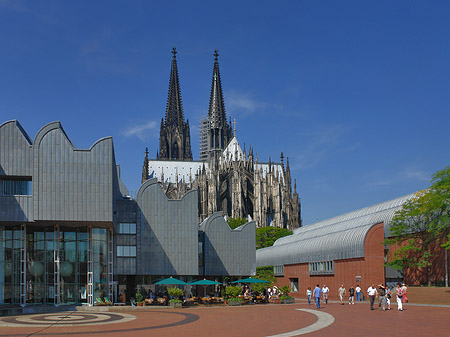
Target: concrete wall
(227, 251)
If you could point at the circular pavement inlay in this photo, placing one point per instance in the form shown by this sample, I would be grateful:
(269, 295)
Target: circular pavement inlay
(66, 319)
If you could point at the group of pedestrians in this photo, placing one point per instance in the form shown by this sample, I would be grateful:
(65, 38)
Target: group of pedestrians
(383, 293)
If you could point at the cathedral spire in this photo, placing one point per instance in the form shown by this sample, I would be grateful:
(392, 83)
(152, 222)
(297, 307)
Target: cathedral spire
(145, 167)
(174, 139)
(174, 109)
(216, 104)
(219, 131)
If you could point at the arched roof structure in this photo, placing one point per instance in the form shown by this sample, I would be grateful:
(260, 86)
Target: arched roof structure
(340, 237)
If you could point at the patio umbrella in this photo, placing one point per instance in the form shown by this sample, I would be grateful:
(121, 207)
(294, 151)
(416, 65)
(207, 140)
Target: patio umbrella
(171, 281)
(204, 283)
(251, 280)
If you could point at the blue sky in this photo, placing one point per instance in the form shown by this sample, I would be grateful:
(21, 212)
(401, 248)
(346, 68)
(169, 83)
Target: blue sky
(355, 93)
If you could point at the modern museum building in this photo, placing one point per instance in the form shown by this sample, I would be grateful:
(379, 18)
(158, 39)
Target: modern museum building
(70, 233)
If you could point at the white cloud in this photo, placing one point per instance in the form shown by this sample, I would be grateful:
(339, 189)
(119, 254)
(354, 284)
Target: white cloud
(242, 102)
(14, 5)
(404, 175)
(245, 103)
(141, 130)
(413, 173)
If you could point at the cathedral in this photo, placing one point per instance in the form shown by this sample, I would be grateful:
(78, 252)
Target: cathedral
(228, 179)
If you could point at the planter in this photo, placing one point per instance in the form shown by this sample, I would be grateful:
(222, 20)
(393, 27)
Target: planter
(288, 301)
(140, 304)
(176, 304)
(234, 303)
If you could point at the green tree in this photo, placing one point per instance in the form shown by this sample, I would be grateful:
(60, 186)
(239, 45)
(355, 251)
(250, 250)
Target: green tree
(440, 190)
(265, 273)
(422, 222)
(236, 222)
(266, 236)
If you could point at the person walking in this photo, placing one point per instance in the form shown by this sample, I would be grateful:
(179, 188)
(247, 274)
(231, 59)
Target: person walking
(358, 293)
(405, 290)
(308, 294)
(325, 292)
(399, 294)
(388, 298)
(317, 294)
(372, 292)
(382, 296)
(341, 292)
(351, 292)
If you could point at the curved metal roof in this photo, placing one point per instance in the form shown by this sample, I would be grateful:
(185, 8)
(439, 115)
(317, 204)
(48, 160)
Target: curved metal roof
(341, 237)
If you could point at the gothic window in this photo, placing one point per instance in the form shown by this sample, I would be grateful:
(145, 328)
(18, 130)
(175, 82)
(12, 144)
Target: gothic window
(175, 151)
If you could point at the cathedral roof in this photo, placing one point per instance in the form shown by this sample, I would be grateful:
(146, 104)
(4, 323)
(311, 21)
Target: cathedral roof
(232, 150)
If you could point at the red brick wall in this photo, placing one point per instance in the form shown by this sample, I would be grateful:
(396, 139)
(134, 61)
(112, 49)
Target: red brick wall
(370, 268)
(417, 276)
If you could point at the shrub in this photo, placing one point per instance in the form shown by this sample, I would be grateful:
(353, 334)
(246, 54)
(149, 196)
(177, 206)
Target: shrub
(175, 301)
(175, 292)
(139, 295)
(235, 299)
(284, 291)
(232, 292)
(258, 287)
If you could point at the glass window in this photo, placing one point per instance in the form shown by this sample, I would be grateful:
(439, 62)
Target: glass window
(127, 228)
(323, 267)
(16, 187)
(126, 251)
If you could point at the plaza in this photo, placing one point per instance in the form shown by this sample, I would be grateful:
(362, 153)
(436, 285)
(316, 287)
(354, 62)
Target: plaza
(251, 320)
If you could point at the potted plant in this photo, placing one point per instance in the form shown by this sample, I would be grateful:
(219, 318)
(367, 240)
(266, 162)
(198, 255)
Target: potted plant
(174, 294)
(285, 298)
(232, 295)
(139, 297)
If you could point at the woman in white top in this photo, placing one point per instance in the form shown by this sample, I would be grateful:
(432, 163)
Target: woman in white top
(399, 293)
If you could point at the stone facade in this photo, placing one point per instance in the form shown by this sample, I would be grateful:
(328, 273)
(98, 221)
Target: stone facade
(228, 180)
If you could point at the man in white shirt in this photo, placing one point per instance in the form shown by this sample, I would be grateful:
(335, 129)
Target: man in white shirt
(372, 292)
(358, 293)
(325, 292)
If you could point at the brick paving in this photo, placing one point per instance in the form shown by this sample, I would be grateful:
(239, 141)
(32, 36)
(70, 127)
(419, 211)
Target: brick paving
(259, 320)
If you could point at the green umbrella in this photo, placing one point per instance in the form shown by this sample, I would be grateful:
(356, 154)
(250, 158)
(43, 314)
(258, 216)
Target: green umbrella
(171, 280)
(204, 283)
(251, 280)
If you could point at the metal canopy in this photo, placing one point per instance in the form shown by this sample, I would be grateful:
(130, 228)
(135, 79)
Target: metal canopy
(341, 237)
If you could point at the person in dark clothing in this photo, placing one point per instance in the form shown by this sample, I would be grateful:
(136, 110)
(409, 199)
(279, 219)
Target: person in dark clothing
(351, 296)
(382, 296)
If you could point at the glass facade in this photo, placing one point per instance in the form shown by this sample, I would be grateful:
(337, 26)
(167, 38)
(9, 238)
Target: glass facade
(55, 260)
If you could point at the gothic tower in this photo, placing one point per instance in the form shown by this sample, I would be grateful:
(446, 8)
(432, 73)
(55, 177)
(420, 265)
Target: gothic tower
(174, 138)
(219, 132)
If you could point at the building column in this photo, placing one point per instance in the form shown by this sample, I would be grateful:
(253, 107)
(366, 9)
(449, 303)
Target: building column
(56, 269)
(90, 273)
(23, 266)
(110, 269)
